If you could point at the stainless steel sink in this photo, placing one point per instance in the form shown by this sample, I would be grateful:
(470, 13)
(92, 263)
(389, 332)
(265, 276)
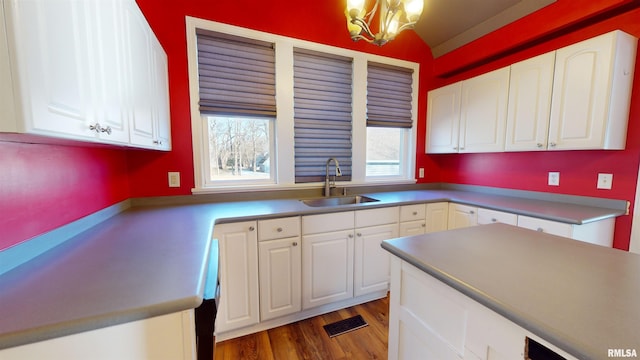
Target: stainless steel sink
(338, 200)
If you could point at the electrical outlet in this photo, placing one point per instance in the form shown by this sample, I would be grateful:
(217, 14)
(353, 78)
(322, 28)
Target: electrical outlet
(554, 178)
(605, 181)
(421, 173)
(174, 179)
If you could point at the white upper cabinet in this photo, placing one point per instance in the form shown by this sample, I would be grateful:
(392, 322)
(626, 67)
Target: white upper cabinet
(592, 92)
(575, 98)
(469, 116)
(530, 103)
(72, 71)
(443, 119)
(483, 112)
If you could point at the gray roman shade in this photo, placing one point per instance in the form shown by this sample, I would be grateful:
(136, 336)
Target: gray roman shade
(389, 95)
(322, 112)
(236, 75)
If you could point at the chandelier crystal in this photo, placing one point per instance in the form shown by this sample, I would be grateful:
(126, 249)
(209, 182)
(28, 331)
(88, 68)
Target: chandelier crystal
(395, 16)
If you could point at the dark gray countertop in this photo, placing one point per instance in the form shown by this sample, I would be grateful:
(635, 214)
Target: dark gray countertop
(583, 298)
(152, 260)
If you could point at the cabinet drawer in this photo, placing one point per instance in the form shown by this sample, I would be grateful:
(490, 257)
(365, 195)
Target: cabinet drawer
(278, 228)
(486, 216)
(547, 226)
(413, 212)
(313, 224)
(374, 217)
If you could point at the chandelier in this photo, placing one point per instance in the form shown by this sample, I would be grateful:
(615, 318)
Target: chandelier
(395, 16)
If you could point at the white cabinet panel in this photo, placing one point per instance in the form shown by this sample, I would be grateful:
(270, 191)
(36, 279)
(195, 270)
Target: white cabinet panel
(483, 112)
(280, 277)
(238, 273)
(313, 224)
(546, 226)
(462, 216)
(327, 267)
(486, 216)
(374, 217)
(437, 217)
(443, 119)
(591, 93)
(413, 212)
(371, 272)
(529, 106)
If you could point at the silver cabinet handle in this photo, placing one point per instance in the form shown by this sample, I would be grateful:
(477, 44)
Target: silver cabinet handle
(415, 213)
(552, 144)
(423, 225)
(539, 145)
(295, 243)
(471, 212)
(540, 229)
(279, 229)
(251, 228)
(359, 234)
(494, 220)
(99, 129)
(350, 236)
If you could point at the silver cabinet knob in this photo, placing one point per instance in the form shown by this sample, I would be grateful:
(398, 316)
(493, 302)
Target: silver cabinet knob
(295, 243)
(359, 234)
(540, 229)
(552, 144)
(539, 145)
(471, 212)
(251, 228)
(279, 229)
(350, 236)
(494, 220)
(415, 213)
(423, 225)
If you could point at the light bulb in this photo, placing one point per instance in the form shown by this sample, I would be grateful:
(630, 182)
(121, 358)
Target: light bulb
(413, 8)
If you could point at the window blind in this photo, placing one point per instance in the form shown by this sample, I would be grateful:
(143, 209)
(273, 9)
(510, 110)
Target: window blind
(322, 114)
(389, 95)
(236, 75)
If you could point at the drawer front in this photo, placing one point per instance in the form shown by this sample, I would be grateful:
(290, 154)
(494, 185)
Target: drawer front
(314, 224)
(546, 226)
(278, 228)
(413, 212)
(486, 216)
(374, 217)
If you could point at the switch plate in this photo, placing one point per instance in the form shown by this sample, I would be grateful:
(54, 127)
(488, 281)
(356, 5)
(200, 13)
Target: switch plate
(605, 181)
(421, 173)
(174, 179)
(554, 178)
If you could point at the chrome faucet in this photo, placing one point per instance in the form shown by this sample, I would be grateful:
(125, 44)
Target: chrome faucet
(327, 183)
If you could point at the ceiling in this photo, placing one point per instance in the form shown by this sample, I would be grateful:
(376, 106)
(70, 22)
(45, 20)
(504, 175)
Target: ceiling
(448, 24)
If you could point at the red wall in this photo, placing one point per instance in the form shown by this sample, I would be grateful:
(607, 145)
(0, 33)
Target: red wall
(45, 186)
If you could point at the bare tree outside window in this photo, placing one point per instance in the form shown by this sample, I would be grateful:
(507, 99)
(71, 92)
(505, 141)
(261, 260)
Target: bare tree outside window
(239, 148)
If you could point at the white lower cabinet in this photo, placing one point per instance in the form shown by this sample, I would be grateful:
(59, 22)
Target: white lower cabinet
(432, 321)
(371, 263)
(423, 218)
(280, 279)
(461, 216)
(487, 216)
(238, 275)
(597, 232)
(170, 336)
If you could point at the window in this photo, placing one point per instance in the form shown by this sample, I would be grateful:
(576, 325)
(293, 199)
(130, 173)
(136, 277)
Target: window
(239, 149)
(268, 111)
(389, 120)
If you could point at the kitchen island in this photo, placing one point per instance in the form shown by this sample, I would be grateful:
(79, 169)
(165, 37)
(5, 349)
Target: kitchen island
(485, 292)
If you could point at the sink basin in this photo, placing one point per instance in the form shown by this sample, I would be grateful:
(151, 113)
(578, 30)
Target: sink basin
(338, 200)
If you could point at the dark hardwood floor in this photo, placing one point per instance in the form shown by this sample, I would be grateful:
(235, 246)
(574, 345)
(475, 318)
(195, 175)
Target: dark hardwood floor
(307, 339)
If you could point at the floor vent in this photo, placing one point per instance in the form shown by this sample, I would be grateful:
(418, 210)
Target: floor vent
(344, 326)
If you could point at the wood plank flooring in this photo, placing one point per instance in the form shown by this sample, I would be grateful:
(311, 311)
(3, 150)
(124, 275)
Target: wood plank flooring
(307, 339)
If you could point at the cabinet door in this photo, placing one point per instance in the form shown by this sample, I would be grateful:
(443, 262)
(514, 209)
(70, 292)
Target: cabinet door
(546, 226)
(437, 217)
(53, 50)
(327, 268)
(280, 279)
(7, 105)
(371, 271)
(486, 216)
(462, 216)
(160, 101)
(409, 228)
(483, 112)
(591, 89)
(530, 103)
(108, 60)
(443, 119)
(238, 275)
(140, 64)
